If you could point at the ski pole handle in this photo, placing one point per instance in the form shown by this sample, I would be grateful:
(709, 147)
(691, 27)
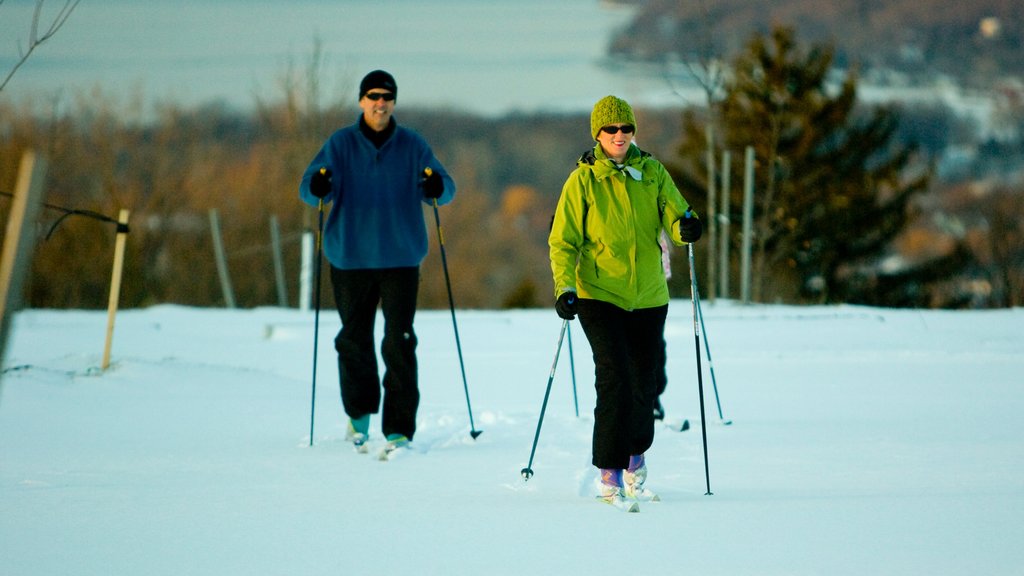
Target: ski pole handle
(427, 173)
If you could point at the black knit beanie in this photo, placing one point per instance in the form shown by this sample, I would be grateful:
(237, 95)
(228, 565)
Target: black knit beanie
(377, 79)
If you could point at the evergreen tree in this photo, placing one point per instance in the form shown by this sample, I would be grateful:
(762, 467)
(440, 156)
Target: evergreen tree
(831, 185)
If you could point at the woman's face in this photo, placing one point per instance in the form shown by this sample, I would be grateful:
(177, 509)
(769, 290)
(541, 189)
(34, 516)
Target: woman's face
(615, 140)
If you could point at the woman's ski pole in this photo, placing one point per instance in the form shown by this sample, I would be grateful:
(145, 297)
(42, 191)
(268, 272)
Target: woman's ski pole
(528, 471)
(700, 379)
(473, 432)
(572, 369)
(711, 363)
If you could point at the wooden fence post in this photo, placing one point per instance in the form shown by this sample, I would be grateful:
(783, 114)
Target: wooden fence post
(115, 284)
(222, 260)
(275, 242)
(748, 218)
(709, 217)
(19, 241)
(723, 231)
(306, 273)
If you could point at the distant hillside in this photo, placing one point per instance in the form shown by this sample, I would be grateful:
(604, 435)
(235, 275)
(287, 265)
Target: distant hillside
(975, 41)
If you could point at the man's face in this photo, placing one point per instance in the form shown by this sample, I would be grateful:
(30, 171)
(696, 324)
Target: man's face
(377, 106)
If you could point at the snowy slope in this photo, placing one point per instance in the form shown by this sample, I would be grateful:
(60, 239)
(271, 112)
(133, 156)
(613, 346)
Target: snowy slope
(865, 441)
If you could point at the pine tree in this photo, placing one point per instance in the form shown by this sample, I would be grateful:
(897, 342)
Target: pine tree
(831, 186)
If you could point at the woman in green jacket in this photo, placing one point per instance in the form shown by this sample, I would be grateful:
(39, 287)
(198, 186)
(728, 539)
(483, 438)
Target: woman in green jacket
(606, 262)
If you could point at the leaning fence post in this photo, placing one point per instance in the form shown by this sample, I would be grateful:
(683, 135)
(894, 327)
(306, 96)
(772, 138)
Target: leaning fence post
(222, 261)
(19, 241)
(115, 283)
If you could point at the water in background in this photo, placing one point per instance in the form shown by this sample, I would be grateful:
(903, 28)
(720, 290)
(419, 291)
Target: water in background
(485, 57)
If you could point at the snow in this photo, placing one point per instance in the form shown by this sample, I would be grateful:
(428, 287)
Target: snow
(864, 441)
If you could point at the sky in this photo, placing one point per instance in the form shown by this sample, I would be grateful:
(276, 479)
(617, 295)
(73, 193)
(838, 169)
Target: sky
(863, 441)
(490, 58)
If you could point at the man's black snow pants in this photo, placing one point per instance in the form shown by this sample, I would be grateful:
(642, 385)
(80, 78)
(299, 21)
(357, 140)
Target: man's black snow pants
(357, 294)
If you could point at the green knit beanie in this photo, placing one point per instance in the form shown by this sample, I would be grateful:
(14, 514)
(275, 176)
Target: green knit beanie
(610, 110)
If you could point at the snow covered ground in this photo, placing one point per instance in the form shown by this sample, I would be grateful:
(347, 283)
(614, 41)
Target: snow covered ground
(865, 441)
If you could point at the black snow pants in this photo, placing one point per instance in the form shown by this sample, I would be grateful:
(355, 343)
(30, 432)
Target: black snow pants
(357, 294)
(626, 347)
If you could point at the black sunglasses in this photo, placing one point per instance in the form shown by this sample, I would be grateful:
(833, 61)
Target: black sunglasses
(387, 96)
(627, 129)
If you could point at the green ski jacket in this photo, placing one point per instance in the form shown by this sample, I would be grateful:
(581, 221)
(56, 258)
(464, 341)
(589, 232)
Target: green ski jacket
(604, 236)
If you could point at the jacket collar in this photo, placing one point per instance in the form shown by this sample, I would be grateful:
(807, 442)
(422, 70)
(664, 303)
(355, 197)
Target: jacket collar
(377, 138)
(603, 166)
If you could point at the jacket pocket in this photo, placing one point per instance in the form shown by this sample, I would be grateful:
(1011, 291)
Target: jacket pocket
(609, 265)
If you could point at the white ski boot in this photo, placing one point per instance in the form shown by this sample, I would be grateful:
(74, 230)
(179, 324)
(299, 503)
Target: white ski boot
(610, 491)
(633, 482)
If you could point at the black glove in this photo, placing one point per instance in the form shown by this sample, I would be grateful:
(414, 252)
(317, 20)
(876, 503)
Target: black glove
(320, 183)
(433, 185)
(565, 306)
(690, 229)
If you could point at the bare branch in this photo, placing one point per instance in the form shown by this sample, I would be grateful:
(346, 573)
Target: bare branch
(34, 37)
(708, 71)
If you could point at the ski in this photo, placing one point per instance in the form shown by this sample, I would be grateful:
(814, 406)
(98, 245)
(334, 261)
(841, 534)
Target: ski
(678, 426)
(360, 444)
(684, 425)
(392, 448)
(616, 496)
(358, 440)
(646, 495)
(620, 503)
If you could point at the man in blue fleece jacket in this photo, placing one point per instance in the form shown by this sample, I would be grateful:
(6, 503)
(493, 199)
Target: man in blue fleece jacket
(374, 173)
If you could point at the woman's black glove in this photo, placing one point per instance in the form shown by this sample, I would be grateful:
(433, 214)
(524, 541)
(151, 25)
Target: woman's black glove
(565, 306)
(690, 229)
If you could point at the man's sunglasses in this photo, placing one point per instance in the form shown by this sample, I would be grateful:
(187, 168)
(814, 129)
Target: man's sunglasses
(387, 96)
(627, 129)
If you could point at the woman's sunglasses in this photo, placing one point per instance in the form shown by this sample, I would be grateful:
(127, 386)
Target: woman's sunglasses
(627, 129)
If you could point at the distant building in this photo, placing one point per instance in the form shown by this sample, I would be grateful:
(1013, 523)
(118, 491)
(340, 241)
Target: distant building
(990, 27)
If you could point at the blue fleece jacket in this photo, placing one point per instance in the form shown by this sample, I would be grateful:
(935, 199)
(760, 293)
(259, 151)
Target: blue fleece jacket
(376, 220)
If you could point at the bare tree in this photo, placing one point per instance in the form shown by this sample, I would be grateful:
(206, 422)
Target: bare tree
(38, 35)
(707, 69)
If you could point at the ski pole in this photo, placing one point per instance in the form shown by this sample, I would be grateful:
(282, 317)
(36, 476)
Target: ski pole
(316, 314)
(528, 471)
(572, 369)
(473, 432)
(700, 379)
(711, 363)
